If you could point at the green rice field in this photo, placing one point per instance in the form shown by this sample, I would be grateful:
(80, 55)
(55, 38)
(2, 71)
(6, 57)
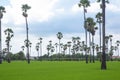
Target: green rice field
(63, 70)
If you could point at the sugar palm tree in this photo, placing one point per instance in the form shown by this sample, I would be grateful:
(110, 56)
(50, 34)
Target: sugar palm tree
(103, 5)
(65, 48)
(99, 21)
(48, 49)
(40, 39)
(110, 36)
(37, 49)
(69, 45)
(118, 44)
(25, 7)
(85, 4)
(9, 34)
(91, 28)
(2, 10)
(56, 45)
(59, 36)
(30, 45)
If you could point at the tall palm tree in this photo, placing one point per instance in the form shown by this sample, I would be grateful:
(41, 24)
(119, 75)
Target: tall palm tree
(2, 10)
(65, 48)
(9, 34)
(69, 45)
(85, 4)
(103, 5)
(91, 28)
(37, 49)
(110, 36)
(59, 36)
(118, 44)
(56, 45)
(40, 39)
(48, 49)
(99, 21)
(25, 7)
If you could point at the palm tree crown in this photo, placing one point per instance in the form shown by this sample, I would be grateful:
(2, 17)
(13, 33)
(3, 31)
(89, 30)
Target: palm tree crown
(2, 10)
(25, 7)
(59, 35)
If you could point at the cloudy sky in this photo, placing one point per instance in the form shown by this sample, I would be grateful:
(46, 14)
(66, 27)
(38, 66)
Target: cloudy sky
(47, 17)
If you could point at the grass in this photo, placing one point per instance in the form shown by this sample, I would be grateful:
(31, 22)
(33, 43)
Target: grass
(19, 70)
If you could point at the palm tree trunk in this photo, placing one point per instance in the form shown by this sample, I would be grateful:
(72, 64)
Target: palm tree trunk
(103, 64)
(41, 50)
(28, 56)
(100, 35)
(38, 55)
(9, 60)
(90, 46)
(93, 48)
(59, 50)
(0, 44)
(86, 56)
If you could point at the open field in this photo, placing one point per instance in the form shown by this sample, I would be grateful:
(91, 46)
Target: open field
(19, 70)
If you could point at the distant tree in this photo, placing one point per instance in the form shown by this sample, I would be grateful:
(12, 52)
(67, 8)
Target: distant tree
(69, 45)
(37, 49)
(99, 21)
(59, 36)
(117, 47)
(25, 7)
(40, 46)
(2, 10)
(56, 45)
(9, 34)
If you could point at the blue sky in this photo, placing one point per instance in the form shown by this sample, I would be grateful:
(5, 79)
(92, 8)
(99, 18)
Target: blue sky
(47, 17)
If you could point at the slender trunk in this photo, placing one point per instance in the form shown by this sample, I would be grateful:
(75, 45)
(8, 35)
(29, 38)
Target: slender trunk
(0, 44)
(103, 64)
(28, 56)
(38, 55)
(118, 51)
(85, 36)
(100, 35)
(59, 50)
(93, 48)
(90, 46)
(69, 54)
(56, 49)
(41, 51)
(9, 60)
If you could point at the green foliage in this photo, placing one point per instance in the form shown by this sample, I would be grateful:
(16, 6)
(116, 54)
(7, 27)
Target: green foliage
(18, 56)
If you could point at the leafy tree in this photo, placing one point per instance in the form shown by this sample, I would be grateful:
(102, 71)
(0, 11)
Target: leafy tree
(2, 10)
(25, 7)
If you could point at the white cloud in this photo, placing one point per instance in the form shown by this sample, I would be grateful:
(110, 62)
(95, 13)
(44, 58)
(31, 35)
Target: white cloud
(113, 8)
(75, 8)
(41, 10)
